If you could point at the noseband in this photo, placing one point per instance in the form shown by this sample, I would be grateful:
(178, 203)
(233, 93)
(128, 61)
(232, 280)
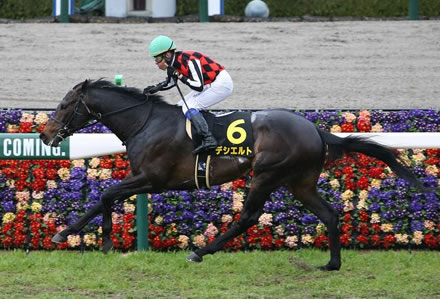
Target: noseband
(65, 130)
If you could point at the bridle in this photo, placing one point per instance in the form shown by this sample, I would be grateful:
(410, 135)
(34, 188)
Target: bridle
(66, 130)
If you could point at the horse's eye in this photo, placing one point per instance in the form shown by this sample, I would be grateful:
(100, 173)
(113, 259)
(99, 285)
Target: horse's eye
(63, 106)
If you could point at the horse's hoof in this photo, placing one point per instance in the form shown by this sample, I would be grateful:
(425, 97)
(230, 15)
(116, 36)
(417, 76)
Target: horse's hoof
(329, 267)
(58, 238)
(107, 246)
(193, 257)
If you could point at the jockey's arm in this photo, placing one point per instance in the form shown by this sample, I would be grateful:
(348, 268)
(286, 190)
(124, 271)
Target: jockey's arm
(196, 79)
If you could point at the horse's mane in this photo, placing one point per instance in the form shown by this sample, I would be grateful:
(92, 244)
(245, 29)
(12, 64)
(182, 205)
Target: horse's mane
(126, 91)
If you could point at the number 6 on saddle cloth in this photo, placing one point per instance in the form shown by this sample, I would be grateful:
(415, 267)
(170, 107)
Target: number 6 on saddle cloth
(233, 132)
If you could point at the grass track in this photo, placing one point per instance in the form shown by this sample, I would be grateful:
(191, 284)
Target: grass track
(276, 274)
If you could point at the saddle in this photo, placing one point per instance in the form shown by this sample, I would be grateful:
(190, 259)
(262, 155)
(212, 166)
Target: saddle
(234, 135)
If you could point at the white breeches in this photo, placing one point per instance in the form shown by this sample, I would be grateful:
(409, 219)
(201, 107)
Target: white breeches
(212, 93)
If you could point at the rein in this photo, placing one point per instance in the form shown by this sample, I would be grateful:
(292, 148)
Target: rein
(65, 131)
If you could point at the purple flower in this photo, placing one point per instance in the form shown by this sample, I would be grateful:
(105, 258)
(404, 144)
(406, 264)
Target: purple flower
(309, 219)
(416, 225)
(8, 206)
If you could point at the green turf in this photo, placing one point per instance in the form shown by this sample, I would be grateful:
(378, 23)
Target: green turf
(276, 274)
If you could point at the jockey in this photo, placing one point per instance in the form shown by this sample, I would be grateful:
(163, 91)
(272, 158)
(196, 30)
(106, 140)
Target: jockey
(209, 81)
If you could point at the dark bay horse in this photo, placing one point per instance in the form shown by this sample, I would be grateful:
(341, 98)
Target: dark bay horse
(289, 151)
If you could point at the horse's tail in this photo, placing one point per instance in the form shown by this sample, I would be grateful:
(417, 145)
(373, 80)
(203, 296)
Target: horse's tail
(338, 146)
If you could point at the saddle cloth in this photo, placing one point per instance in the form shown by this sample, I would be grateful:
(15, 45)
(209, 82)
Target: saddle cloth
(233, 132)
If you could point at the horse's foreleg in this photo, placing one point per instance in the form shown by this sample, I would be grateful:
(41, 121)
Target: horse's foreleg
(328, 215)
(128, 187)
(78, 225)
(259, 193)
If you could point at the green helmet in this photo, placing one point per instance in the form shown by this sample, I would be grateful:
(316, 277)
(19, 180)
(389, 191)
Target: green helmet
(161, 44)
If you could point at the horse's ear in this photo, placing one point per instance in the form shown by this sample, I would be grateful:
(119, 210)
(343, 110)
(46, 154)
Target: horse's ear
(85, 85)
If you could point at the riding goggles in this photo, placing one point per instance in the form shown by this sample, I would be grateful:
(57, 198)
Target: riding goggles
(158, 58)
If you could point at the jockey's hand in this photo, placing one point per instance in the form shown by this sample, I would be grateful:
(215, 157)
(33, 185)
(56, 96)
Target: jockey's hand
(152, 89)
(172, 73)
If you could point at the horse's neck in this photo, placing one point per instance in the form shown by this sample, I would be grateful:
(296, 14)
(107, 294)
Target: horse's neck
(129, 122)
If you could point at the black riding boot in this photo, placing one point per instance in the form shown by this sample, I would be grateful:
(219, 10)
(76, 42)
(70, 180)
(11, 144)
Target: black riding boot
(209, 142)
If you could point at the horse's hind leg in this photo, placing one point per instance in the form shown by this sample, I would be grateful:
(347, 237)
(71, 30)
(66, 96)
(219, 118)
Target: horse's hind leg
(311, 200)
(262, 185)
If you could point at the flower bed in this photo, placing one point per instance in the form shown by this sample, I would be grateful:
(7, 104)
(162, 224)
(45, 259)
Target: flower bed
(378, 210)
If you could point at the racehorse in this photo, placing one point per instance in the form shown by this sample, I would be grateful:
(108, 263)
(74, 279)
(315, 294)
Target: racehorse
(289, 151)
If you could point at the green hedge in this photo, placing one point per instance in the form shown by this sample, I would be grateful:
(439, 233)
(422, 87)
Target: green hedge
(336, 8)
(21, 9)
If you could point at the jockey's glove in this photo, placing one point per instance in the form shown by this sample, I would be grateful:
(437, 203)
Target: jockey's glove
(154, 88)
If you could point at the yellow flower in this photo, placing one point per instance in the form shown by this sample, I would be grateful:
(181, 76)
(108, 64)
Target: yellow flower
(349, 117)
(429, 224)
(41, 118)
(172, 229)
(158, 220)
(51, 184)
(324, 175)
(226, 186)
(36, 207)
(363, 195)
(23, 196)
(90, 239)
(402, 238)
(8, 217)
(21, 205)
(362, 205)
(94, 162)
(92, 173)
(26, 118)
(336, 129)
(64, 173)
(306, 239)
(37, 194)
(105, 174)
(199, 241)
(211, 230)
(78, 163)
(386, 227)
(237, 206)
(291, 241)
(348, 206)
(335, 184)
(377, 128)
(238, 195)
(418, 158)
(417, 237)
(375, 218)
(432, 170)
(279, 230)
(227, 218)
(129, 208)
(265, 219)
(183, 241)
(347, 195)
(73, 240)
(375, 183)
(10, 183)
(320, 228)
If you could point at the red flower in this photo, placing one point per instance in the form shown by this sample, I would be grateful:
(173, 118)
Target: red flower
(345, 239)
(362, 183)
(362, 239)
(363, 216)
(375, 172)
(321, 241)
(430, 240)
(364, 126)
(347, 127)
(389, 241)
(375, 240)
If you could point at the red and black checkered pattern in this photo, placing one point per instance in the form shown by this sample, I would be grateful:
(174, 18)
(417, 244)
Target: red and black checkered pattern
(210, 68)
